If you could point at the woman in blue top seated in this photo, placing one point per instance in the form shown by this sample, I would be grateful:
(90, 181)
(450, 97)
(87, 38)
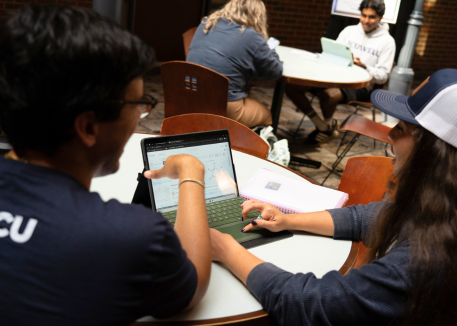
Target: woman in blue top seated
(410, 278)
(233, 42)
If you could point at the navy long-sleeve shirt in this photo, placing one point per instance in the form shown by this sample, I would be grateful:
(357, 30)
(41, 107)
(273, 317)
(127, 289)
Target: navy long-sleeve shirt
(238, 56)
(375, 294)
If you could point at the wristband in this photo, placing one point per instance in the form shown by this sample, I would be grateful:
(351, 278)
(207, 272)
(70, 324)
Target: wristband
(192, 180)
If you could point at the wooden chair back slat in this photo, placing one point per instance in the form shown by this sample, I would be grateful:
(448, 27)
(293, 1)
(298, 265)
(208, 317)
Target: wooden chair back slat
(191, 88)
(241, 137)
(366, 127)
(187, 39)
(367, 179)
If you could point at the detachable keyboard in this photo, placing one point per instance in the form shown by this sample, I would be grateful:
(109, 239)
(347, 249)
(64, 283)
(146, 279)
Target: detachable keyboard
(220, 212)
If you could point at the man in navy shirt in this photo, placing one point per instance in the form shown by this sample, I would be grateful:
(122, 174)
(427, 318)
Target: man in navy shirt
(71, 92)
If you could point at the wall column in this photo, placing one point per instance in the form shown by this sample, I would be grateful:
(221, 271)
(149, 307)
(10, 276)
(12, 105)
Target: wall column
(402, 75)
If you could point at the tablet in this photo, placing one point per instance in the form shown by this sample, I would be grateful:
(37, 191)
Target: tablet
(336, 53)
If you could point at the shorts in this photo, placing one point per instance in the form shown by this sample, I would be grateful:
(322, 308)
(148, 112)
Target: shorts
(355, 94)
(250, 112)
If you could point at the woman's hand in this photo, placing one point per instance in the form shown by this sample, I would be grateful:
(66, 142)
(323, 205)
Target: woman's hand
(179, 166)
(272, 218)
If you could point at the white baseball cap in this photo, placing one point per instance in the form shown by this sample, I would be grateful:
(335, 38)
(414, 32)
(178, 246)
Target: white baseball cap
(434, 106)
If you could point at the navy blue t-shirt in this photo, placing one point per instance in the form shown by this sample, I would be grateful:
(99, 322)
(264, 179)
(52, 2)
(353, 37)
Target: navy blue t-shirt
(68, 258)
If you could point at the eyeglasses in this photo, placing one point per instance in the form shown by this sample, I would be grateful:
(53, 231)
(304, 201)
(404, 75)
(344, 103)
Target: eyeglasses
(146, 104)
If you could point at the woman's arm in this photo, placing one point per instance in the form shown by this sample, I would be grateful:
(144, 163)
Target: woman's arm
(266, 62)
(373, 295)
(349, 223)
(192, 221)
(274, 220)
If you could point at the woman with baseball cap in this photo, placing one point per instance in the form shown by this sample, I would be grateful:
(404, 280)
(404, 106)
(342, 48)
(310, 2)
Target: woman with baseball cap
(411, 275)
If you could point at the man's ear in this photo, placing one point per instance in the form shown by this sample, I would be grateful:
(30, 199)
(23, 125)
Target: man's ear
(86, 128)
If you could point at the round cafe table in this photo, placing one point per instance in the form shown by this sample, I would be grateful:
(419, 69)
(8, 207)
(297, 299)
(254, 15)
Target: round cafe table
(305, 68)
(227, 299)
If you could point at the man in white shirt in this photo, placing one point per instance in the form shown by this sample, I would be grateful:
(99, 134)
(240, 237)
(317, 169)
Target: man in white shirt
(373, 49)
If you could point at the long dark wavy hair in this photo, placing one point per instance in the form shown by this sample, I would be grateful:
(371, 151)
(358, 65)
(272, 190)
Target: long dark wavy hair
(424, 213)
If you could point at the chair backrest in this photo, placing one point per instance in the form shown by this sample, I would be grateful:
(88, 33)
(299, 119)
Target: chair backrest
(191, 88)
(367, 179)
(241, 137)
(187, 39)
(366, 127)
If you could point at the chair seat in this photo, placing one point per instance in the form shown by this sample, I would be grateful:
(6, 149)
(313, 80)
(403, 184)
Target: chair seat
(366, 127)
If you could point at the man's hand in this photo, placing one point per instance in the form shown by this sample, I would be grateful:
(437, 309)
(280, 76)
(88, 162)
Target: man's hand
(179, 166)
(359, 63)
(272, 218)
(227, 250)
(221, 244)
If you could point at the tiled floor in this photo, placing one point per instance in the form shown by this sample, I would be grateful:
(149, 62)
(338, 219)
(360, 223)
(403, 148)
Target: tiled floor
(289, 121)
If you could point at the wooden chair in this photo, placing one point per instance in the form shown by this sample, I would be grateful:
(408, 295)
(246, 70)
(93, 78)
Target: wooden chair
(367, 105)
(367, 179)
(241, 137)
(360, 126)
(191, 88)
(187, 39)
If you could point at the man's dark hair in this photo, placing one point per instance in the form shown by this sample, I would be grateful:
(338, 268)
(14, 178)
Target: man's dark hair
(376, 5)
(57, 62)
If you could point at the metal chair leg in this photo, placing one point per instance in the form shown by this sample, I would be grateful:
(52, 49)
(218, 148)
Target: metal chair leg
(356, 109)
(303, 118)
(341, 156)
(341, 143)
(296, 131)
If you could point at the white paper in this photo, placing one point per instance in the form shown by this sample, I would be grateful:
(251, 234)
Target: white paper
(291, 195)
(350, 8)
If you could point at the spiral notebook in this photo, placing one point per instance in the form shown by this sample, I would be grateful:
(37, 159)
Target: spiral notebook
(290, 195)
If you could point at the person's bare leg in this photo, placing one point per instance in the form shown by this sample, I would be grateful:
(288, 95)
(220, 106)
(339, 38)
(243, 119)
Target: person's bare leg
(297, 96)
(328, 100)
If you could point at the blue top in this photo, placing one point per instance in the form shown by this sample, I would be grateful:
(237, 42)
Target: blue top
(375, 294)
(238, 56)
(68, 258)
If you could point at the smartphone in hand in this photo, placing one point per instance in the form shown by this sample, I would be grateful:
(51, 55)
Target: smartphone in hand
(272, 43)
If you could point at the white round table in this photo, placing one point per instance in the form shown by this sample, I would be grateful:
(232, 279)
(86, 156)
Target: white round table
(305, 68)
(227, 299)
